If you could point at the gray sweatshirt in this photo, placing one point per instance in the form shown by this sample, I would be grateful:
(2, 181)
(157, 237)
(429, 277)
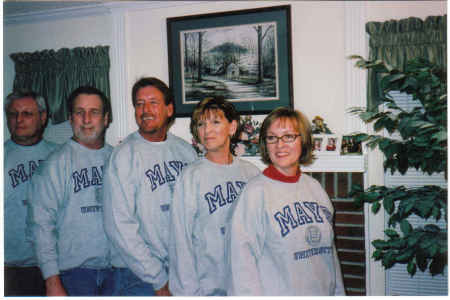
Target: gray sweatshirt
(203, 199)
(66, 215)
(20, 162)
(139, 182)
(281, 241)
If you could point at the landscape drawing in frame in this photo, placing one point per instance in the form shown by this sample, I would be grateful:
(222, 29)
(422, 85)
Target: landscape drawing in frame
(244, 56)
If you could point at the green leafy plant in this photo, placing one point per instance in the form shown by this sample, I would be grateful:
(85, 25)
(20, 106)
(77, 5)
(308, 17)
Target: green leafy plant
(423, 146)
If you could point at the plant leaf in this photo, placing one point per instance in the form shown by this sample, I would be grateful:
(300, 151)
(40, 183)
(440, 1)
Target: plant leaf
(405, 227)
(376, 207)
(411, 268)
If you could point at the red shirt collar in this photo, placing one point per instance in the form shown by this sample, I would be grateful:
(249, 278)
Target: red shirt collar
(274, 174)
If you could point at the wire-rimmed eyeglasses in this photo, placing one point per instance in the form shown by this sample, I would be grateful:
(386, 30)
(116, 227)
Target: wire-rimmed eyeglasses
(287, 138)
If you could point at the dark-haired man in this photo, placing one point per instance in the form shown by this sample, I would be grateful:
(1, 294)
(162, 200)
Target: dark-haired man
(66, 215)
(138, 189)
(26, 115)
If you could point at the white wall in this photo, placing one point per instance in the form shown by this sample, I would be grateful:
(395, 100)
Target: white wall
(51, 34)
(319, 38)
(316, 29)
(318, 50)
(381, 11)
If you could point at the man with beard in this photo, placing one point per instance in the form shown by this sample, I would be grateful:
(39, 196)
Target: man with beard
(66, 215)
(26, 115)
(139, 181)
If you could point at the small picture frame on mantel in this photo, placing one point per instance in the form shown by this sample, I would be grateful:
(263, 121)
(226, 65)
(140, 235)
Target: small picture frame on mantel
(326, 144)
(350, 146)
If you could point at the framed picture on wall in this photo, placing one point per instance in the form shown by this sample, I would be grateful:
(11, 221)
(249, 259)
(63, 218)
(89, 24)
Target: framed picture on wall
(244, 56)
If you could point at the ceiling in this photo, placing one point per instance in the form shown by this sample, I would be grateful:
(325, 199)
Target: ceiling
(12, 8)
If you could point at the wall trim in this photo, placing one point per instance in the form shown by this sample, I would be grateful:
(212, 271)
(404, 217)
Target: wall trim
(356, 43)
(119, 76)
(56, 14)
(90, 9)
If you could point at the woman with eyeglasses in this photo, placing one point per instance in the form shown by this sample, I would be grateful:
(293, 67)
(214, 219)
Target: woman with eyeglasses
(281, 239)
(204, 195)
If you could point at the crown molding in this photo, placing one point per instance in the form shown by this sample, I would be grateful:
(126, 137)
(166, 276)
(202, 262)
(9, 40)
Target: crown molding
(94, 9)
(55, 14)
(139, 5)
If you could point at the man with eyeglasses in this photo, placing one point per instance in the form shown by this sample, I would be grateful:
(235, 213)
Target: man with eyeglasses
(26, 116)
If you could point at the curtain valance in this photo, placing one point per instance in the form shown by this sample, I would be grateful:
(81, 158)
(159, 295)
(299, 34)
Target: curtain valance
(397, 41)
(55, 74)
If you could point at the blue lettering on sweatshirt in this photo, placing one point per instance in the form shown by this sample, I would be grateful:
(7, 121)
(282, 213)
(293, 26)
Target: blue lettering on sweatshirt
(314, 209)
(312, 252)
(303, 213)
(91, 209)
(83, 179)
(327, 214)
(284, 219)
(217, 196)
(171, 169)
(19, 175)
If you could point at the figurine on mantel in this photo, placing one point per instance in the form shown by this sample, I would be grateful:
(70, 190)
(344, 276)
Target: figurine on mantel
(319, 127)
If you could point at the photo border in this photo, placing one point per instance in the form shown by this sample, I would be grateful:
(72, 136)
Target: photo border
(323, 146)
(280, 14)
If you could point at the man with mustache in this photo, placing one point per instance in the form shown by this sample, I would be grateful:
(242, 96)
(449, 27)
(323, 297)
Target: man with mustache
(138, 189)
(66, 215)
(26, 115)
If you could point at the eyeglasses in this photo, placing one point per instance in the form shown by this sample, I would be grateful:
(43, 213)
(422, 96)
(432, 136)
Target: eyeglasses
(15, 114)
(287, 138)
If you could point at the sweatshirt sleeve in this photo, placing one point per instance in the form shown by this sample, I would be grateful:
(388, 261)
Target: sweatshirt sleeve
(245, 245)
(121, 221)
(46, 195)
(340, 289)
(183, 277)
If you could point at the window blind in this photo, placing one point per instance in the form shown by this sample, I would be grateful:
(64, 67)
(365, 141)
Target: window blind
(398, 281)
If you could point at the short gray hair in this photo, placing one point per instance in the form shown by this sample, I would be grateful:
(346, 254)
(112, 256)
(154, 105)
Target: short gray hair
(22, 93)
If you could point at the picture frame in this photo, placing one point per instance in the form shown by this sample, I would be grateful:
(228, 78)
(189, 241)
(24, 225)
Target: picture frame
(350, 146)
(242, 55)
(317, 142)
(326, 144)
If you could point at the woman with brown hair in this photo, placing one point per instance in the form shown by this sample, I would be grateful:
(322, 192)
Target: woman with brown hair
(281, 233)
(203, 198)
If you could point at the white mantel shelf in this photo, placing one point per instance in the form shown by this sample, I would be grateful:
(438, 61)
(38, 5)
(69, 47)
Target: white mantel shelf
(326, 163)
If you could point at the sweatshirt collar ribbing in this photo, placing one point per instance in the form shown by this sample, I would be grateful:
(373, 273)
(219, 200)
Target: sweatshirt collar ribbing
(274, 174)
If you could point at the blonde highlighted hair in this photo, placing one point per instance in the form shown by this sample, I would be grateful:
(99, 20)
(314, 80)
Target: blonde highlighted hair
(299, 121)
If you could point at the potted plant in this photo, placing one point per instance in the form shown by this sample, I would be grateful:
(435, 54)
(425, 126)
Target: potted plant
(423, 146)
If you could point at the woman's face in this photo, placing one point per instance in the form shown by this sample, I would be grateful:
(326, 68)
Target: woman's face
(284, 156)
(215, 131)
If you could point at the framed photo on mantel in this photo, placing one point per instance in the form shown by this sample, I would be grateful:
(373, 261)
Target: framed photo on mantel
(325, 144)
(244, 56)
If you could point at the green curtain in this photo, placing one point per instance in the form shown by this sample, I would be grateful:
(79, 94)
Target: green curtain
(55, 74)
(396, 42)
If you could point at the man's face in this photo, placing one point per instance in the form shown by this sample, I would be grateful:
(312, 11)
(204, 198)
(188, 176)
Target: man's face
(25, 122)
(88, 121)
(151, 113)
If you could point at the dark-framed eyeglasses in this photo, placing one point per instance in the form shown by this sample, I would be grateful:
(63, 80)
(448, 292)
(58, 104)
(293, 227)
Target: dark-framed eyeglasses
(287, 138)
